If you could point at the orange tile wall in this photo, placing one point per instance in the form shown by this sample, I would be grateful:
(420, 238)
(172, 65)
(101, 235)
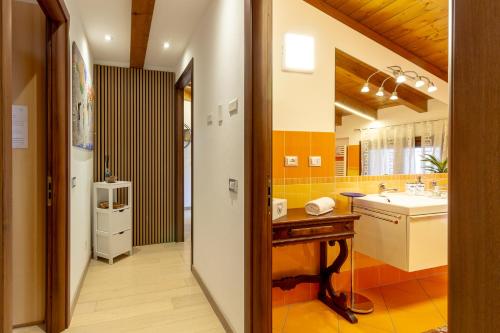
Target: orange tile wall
(301, 184)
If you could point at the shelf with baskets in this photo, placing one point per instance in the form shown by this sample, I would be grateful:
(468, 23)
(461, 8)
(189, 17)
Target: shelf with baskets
(112, 228)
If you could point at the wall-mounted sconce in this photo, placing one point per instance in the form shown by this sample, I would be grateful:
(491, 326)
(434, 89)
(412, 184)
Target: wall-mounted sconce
(298, 53)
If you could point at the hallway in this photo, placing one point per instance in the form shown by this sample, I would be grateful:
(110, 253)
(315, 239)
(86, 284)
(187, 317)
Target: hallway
(152, 291)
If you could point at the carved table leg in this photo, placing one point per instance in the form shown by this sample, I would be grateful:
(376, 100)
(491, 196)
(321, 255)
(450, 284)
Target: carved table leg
(335, 301)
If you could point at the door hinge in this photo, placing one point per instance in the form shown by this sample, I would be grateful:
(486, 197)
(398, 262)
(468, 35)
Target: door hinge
(49, 190)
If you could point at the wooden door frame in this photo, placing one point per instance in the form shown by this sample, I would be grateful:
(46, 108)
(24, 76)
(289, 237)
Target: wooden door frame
(57, 315)
(57, 288)
(258, 165)
(186, 78)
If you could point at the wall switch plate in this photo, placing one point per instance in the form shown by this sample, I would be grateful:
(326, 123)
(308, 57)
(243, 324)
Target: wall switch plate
(233, 106)
(220, 114)
(73, 182)
(314, 161)
(210, 119)
(291, 161)
(233, 185)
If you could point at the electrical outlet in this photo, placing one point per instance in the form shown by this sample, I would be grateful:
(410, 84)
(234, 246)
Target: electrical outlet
(291, 161)
(314, 161)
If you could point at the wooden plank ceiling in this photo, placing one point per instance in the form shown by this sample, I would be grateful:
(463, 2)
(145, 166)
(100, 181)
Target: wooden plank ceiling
(415, 29)
(351, 74)
(142, 14)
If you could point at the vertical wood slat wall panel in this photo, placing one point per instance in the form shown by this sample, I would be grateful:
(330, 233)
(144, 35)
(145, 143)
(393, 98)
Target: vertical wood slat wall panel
(134, 125)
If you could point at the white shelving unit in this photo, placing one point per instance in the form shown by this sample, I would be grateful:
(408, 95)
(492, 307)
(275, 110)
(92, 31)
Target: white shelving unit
(112, 229)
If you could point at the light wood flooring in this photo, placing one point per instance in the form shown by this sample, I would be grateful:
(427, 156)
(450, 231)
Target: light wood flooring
(151, 291)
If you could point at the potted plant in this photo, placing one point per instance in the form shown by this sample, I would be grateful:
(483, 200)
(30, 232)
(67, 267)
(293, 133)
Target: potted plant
(435, 165)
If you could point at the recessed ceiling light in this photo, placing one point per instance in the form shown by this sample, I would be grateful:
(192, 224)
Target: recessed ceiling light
(108, 38)
(166, 45)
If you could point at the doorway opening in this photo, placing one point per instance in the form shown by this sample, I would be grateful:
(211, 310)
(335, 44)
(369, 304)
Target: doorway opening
(184, 106)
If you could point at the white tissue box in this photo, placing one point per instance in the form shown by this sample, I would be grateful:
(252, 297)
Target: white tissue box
(279, 208)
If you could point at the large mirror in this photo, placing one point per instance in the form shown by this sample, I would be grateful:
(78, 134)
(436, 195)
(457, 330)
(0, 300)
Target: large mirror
(387, 121)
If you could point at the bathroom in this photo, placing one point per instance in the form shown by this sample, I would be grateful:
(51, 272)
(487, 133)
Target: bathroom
(351, 117)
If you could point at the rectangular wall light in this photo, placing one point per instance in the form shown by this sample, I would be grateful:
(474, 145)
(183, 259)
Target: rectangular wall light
(298, 53)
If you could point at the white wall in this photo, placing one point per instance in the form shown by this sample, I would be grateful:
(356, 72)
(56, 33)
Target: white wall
(218, 51)
(395, 115)
(187, 159)
(306, 101)
(82, 169)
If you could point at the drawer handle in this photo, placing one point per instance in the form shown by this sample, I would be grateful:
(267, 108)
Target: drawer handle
(122, 210)
(121, 233)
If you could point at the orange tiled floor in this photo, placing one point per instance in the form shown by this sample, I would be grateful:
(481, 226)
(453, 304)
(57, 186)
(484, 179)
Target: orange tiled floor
(406, 307)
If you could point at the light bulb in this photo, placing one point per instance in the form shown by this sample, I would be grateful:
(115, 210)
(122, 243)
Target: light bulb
(420, 82)
(380, 92)
(166, 45)
(108, 38)
(394, 96)
(400, 78)
(432, 88)
(365, 88)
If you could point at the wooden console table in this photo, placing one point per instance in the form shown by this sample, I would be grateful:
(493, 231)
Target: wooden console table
(335, 227)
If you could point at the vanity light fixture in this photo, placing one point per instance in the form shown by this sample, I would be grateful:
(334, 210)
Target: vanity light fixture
(394, 96)
(420, 82)
(366, 86)
(108, 38)
(299, 53)
(380, 92)
(432, 88)
(354, 111)
(400, 76)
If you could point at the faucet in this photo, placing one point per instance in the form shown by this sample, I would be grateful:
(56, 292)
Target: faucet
(382, 189)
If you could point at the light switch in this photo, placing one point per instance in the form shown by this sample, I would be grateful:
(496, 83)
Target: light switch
(314, 161)
(233, 185)
(291, 161)
(210, 119)
(233, 107)
(73, 182)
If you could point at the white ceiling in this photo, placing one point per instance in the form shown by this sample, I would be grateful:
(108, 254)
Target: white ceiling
(173, 21)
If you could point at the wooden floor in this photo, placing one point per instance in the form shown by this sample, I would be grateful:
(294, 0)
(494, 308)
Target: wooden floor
(152, 291)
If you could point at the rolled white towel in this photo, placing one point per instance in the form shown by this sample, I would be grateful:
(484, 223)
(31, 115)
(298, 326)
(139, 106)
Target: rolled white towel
(320, 206)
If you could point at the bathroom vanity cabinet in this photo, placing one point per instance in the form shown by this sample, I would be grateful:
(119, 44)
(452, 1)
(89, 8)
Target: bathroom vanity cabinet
(410, 233)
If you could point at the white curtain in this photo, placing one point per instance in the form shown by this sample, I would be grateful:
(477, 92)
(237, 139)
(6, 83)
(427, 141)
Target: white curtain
(393, 150)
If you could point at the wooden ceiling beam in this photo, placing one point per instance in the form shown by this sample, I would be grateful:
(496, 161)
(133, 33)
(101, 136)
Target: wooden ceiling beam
(408, 96)
(142, 15)
(355, 104)
(363, 29)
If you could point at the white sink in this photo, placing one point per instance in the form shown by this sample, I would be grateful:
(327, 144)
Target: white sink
(403, 203)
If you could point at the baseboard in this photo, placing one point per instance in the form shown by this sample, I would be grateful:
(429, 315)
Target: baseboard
(35, 323)
(79, 288)
(212, 302)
